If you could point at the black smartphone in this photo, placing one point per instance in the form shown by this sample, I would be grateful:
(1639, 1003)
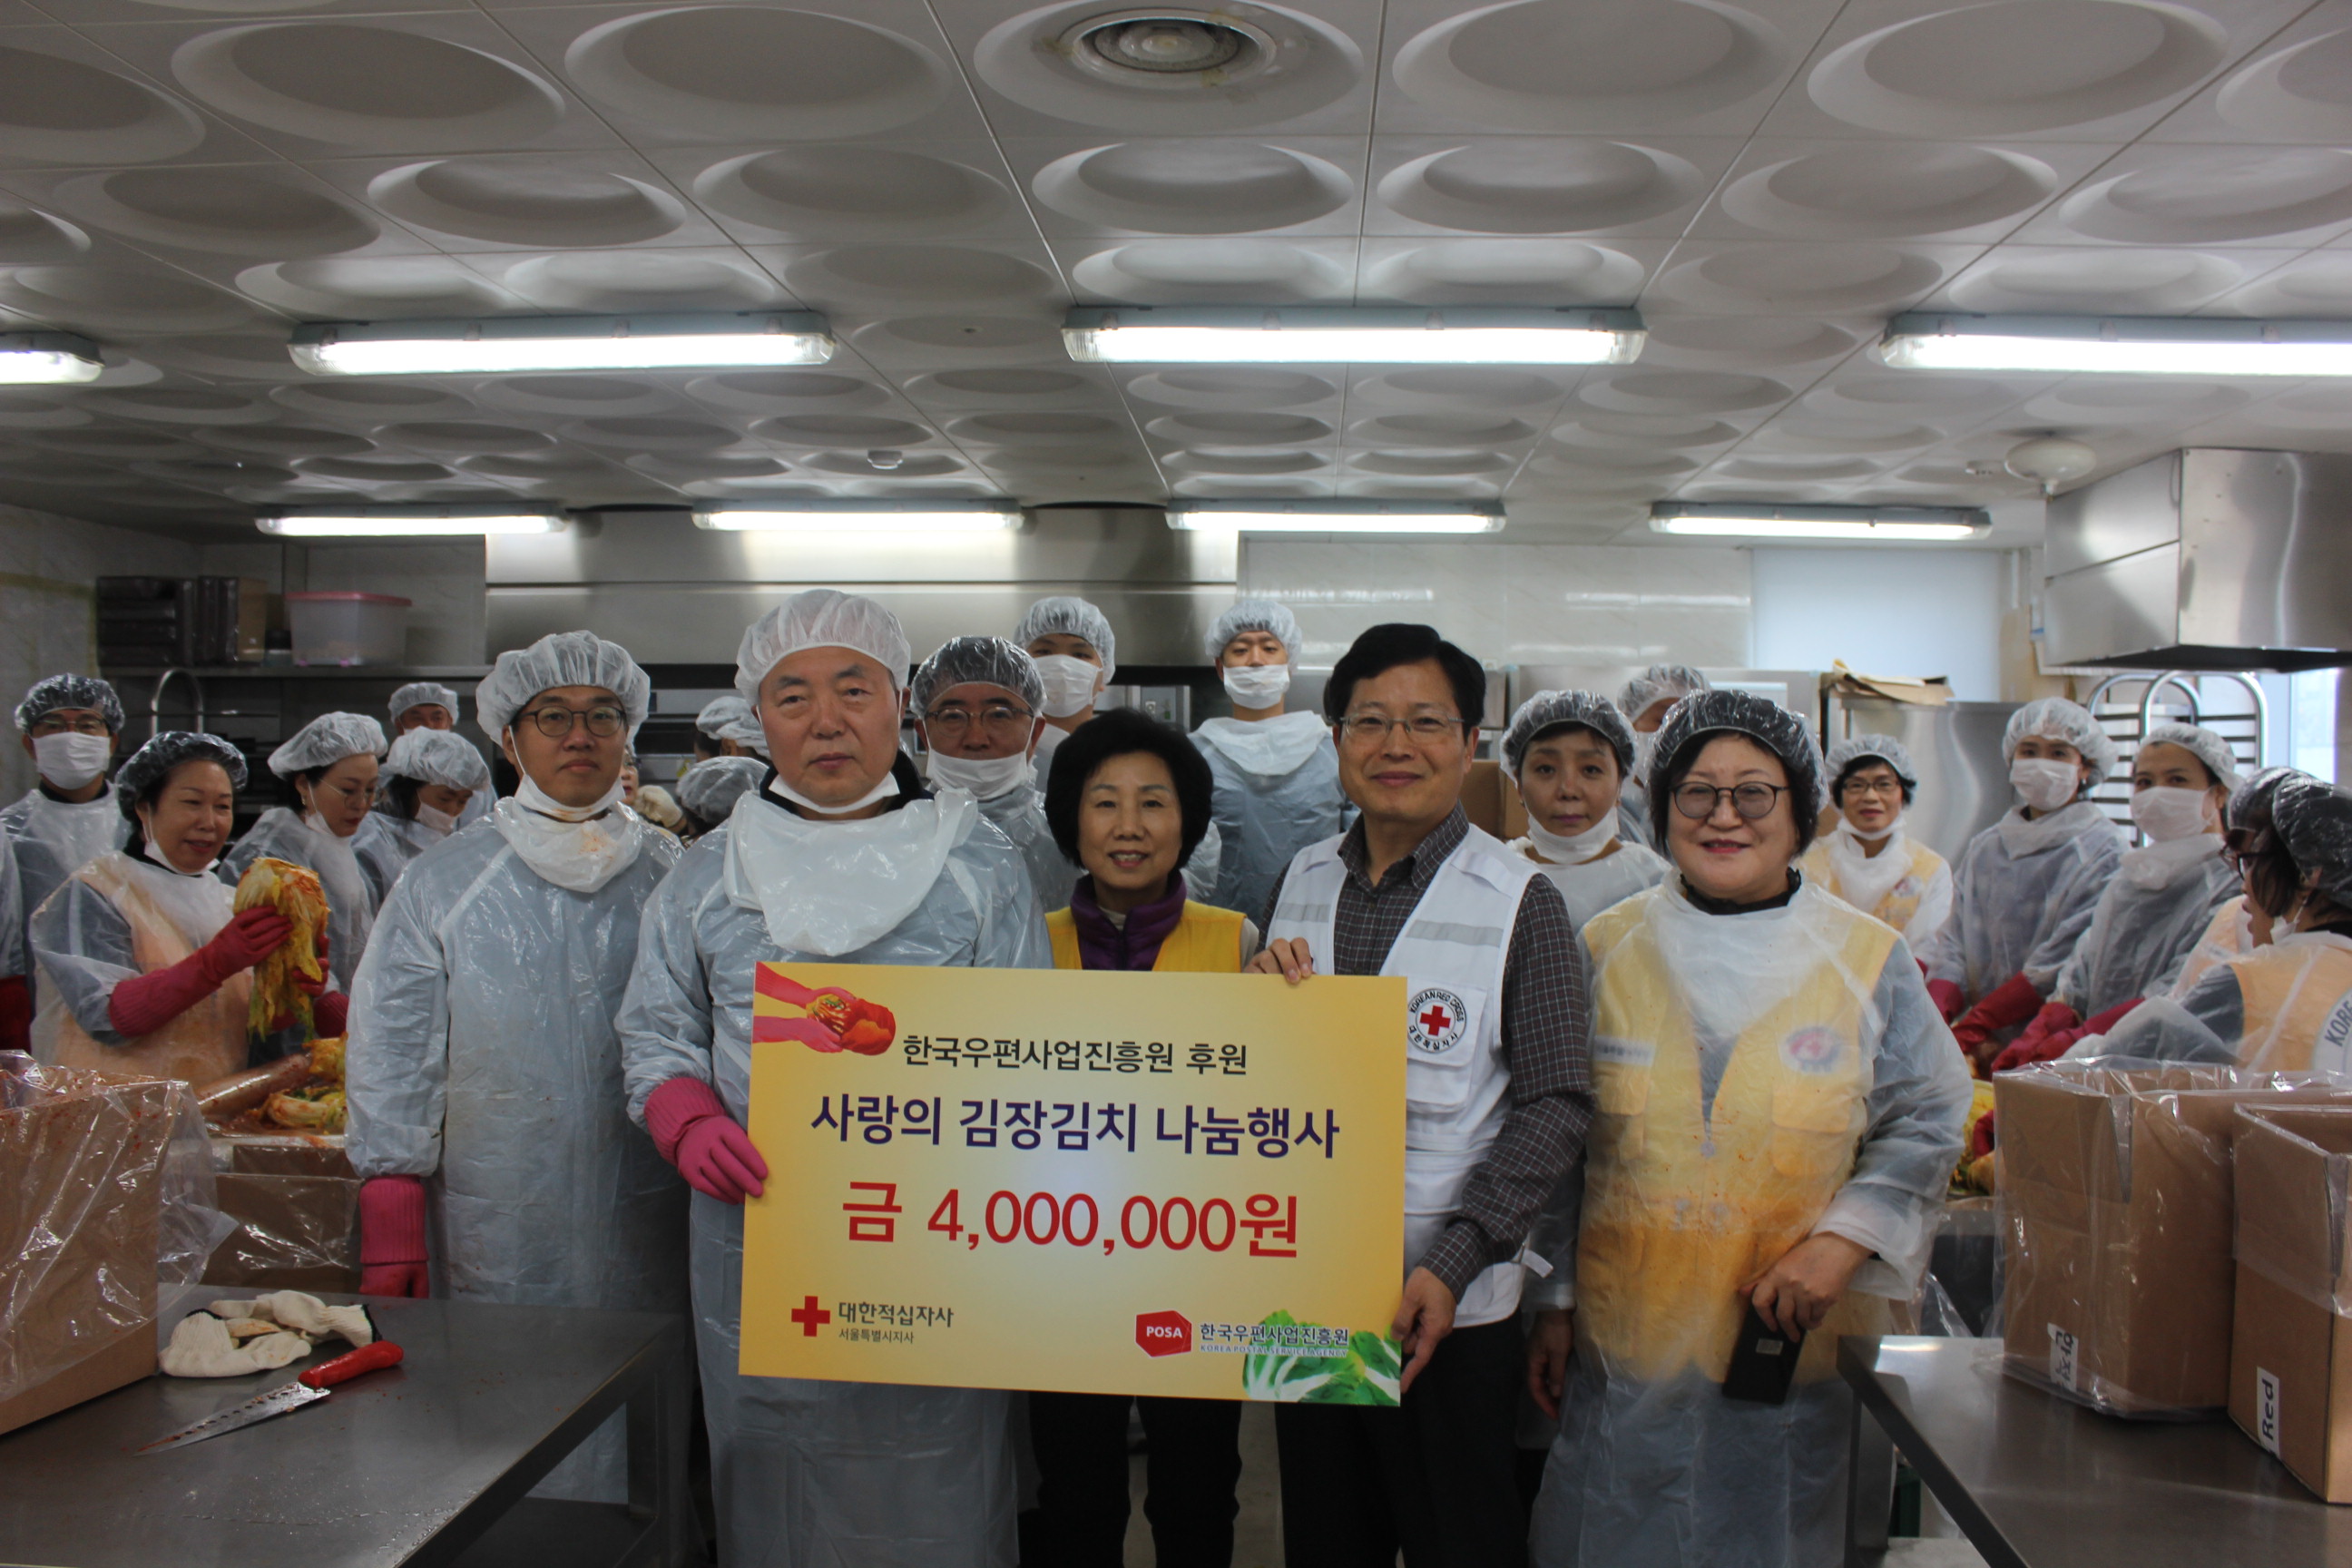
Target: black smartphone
(1763, 1361)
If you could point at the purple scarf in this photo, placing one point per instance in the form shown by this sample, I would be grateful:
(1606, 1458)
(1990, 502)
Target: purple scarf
(1102, 946)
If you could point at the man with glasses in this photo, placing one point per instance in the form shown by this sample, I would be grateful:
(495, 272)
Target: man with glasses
(69, 725)
(1498, 1099)
(978, 706)
(483, 1068)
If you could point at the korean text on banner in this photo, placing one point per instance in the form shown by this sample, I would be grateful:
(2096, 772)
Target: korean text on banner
(1187, 1185)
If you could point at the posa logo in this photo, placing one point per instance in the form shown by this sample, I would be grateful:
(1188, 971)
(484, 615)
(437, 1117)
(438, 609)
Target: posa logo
(1163, 1333)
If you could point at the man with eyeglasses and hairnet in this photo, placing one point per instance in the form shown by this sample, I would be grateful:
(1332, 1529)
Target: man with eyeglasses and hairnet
(484, 1072)
(978, 707)
(808, 1473)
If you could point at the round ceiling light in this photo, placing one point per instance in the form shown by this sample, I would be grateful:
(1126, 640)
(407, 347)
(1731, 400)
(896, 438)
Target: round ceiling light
(1170, 49)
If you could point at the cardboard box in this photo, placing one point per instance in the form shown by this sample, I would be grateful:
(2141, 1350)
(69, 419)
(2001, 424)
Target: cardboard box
(2116, 1211)
(80, 1218)
(295, 1201)
(2291, 1341)
(1491, 802)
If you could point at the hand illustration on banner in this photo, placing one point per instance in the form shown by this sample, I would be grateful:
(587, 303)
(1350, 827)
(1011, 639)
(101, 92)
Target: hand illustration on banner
(1185, 1185)
(834, 1019)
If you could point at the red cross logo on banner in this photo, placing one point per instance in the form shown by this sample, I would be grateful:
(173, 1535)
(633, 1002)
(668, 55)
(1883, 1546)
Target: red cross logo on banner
(809, 1316)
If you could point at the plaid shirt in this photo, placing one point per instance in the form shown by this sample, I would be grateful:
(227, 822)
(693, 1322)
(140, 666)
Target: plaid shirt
(1544, 1026)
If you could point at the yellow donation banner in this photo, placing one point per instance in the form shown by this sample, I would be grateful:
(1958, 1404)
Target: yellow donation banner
(1184, 1184)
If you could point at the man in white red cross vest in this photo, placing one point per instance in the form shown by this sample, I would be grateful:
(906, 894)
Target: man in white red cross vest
(1498, 1096)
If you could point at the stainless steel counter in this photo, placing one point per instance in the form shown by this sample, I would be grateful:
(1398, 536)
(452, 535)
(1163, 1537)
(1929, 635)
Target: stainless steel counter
(2035, 1483)
(409, 1467)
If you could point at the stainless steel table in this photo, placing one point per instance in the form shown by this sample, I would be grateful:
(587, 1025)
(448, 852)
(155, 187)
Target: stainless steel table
(413, 1466)
(2036, 1482)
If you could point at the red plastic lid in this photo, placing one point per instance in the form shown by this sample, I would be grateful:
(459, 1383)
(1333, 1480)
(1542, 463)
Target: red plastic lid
(350, 599)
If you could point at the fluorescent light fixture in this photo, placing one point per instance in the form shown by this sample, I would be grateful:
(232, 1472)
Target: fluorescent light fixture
(1338, 335)
(407, 521)
(860, 519)
(2122, 345)
(701, 340)
(1848, 525)
(1333, 516)
(47, 359)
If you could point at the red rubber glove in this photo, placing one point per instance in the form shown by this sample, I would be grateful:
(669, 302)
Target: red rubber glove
(145, 1003)
(1949, 998)
(15, 1012)
(251, 936)
(2012, 1003)
(314, 990)
(1987, 1135)
(331, 1012)
(692, 1131)
(391, 1237)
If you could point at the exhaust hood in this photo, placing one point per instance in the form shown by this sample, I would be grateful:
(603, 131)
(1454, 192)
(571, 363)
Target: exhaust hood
(2204, 559)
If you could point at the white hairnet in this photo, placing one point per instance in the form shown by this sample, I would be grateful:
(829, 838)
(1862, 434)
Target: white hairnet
(1252, 616)
(2314, 819)
(151, 763)
(441, 757)
(1070, 617)
(560, 658)
(979, 662)
(2056, 719)
(1773, 727)
(2211, 748)
(820, 617)
(1881, 748)
(326, 740)
(1550, 710)
(720, 712)
(1660, 680)
(423, 694)
(53, 692)
(710, 789)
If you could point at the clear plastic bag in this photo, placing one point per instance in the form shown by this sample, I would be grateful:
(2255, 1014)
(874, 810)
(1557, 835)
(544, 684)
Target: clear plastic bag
(108, 1216)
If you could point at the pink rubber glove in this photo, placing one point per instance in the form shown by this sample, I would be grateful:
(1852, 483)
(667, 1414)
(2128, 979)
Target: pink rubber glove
(692, 1131)
(391, 1237)
(1949, 998)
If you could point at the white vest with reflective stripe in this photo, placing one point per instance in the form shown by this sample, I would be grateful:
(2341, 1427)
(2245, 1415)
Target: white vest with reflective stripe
(1457, 1087)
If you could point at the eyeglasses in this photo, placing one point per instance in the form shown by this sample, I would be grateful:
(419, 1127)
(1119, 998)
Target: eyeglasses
(58, 724)
(2240, 845)
(555, 721)
(1873, 786)
(1372, 730)
(1752, 801)
(1001, 718)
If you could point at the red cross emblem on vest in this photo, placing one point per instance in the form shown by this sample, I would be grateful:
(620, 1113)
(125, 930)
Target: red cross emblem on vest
(810, 1316)
(1435, 1021)
(1436, 1018)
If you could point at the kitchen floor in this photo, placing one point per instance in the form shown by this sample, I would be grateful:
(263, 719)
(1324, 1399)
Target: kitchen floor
(1257, 1532)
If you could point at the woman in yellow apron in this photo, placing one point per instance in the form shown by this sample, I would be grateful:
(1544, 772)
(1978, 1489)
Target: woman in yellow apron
(1867, 858)
(1779, 1106)
(1130, 799)
(2285, 1005)
(145, 966)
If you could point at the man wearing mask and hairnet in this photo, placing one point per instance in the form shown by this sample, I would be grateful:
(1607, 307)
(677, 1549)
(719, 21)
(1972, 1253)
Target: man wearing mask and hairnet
(330, 766)
(1645, 702)
(977, 706)
(429, 780)
(2160, 904)
(1277, 773)
(2024, 889)
(69, 724)
(841, 856)
(487, 1115)
(429, 705)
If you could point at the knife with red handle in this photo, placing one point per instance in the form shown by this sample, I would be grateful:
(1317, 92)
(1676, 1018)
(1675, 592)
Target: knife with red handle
(307, 1388)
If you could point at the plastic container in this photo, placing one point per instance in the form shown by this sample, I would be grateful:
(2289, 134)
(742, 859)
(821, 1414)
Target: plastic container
(348, 628)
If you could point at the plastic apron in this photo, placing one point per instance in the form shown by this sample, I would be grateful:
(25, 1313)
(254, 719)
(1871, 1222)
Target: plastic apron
(2147, 923)
(2297, 995)
(1276, 791)
(2022, 895)
(50, 840)
(2229, 934)
(1682, 1203)
(1591, 886)
(1456, 1084)
(1019, 814)
(204, 1043)
(1891, 886)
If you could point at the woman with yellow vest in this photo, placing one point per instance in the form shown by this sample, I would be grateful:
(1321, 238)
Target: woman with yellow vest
(1778, 1108)
(2285, 1006)
(1129, 799)
(1867, 859)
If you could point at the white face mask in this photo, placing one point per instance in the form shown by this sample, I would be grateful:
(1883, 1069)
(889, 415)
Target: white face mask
(2043, 783)
(2167, 814)
(1257, 686)
(1070, 683)
(1575, 849)
(439, 821)
(886, 790)
(984, 778)
(69, 760)
(1854, 830)
(578, 848)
